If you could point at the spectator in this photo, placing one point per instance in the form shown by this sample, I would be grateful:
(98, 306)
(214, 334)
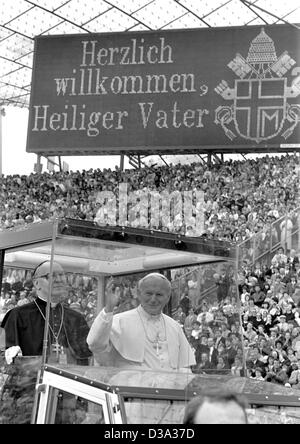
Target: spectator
(292, 286)
(201, 348)
(219, 338)
(280, 259)
(282, 324)
(237, 368)
(230, 352)
(293, 260)
(222, 365)
(212, 353)
(202, 365)
(23, 299)
(189, 321)
(255, 360)
(179, 316)
(258, 374)
(278, 374)
(185, 304)
(294, 379)
(250, 334)
(258, 296)
(196, 333)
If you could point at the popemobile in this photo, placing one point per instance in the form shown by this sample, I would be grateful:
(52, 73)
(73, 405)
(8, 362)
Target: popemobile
(63, 383)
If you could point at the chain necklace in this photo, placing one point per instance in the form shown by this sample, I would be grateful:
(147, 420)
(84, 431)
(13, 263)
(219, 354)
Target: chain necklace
(157, 339)
(56, 337)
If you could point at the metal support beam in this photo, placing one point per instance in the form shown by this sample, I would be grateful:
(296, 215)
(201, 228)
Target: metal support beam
(101, 301)
(133, 161)
(253, 8)
(219, 161)
(204, 161)
(136, 161)
(38, 167)
(122, 162)
(2, 255)
(51, 161)
(162, 158)
(2, 332)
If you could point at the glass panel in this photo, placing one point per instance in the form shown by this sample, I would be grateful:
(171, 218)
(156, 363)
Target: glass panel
(165, 412)
(140, 411)
(278, 235)
(246, 253)
(168, 412)
(72, 409)
(154, 397)
(273, 415)
(293, 235)
(209, 311)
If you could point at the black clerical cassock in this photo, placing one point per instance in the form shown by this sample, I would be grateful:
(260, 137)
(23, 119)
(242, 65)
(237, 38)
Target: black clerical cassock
(24, 326)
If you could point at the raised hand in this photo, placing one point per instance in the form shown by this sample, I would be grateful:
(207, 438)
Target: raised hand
(112, 294)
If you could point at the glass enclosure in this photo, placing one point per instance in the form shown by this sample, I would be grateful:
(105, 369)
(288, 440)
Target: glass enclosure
(201, 273)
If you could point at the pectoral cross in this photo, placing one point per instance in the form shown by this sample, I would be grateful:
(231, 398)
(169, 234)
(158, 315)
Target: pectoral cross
(157, 346)
(56, 349)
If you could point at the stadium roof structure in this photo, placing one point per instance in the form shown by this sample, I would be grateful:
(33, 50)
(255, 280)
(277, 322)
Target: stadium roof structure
(22, 20)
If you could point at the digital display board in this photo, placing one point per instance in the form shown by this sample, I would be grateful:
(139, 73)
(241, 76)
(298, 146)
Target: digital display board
(232, 89)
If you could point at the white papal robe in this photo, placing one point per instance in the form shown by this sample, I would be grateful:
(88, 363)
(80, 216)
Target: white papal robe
(124, 340)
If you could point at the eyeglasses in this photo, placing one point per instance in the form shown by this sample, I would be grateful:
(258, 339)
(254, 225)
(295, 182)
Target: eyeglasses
(56, 276)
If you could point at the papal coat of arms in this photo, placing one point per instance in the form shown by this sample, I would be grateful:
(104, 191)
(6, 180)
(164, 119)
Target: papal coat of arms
(260, 110)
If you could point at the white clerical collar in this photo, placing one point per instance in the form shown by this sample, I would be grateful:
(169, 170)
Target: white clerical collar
(148, 316)
(41, 299)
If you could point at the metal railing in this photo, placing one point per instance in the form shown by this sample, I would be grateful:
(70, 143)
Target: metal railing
(260, 248)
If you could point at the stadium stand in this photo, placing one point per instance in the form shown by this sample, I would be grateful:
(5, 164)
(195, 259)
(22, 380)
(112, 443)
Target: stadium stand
(240, 197)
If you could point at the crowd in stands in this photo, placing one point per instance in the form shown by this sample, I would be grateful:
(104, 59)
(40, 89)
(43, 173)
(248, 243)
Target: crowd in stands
(240, 197)
(265, 324)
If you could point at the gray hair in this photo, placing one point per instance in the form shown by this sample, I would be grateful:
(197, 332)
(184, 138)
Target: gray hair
(155, 275)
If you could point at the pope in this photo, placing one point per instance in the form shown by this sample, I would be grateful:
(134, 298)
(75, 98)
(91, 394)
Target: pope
(144, 337)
